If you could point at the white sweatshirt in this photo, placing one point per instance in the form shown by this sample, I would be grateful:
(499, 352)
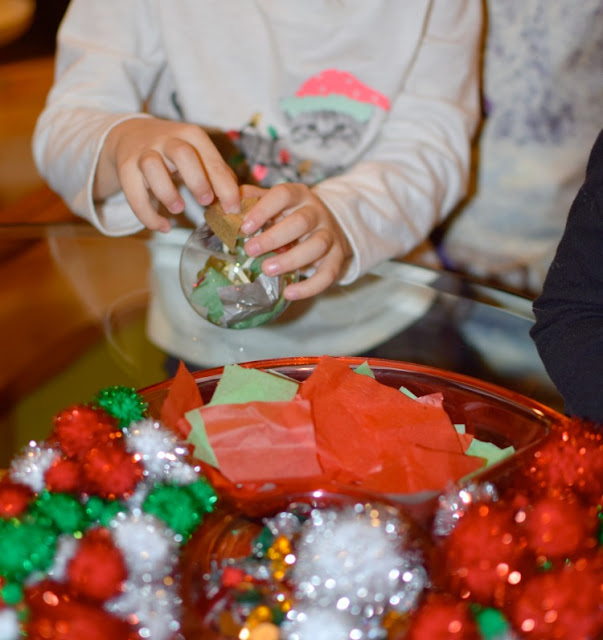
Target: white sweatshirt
(379, 98)
(543, 93)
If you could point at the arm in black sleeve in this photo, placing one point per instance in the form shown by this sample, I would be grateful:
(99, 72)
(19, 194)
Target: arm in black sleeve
(568, 332)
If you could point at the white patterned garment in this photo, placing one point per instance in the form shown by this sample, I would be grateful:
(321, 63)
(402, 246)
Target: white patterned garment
(381, 97)
(543, 101)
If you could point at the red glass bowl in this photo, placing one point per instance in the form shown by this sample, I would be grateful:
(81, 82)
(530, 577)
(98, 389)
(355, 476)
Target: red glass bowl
(492, 413)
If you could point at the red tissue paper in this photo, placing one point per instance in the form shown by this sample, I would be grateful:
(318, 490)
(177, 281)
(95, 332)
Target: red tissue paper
(259, 441)
(375, 435)
(341, 428)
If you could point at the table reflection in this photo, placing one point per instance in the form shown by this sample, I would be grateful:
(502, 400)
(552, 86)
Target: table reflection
(81, 311)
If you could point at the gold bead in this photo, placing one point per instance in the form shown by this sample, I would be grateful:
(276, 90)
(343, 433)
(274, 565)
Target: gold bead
(261, 613)
(264, 631)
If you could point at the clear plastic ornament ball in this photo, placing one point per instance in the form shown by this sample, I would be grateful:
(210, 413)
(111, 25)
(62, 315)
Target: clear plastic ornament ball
(226, 286)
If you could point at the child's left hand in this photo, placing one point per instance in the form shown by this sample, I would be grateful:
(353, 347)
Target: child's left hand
(301, 217)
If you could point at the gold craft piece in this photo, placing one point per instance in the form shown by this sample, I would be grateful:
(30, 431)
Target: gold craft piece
(226, 225)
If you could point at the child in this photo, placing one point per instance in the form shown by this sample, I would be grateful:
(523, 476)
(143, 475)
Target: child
(569, 313)
(366, 110)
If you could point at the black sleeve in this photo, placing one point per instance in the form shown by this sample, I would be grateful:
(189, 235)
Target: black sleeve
(568, 332)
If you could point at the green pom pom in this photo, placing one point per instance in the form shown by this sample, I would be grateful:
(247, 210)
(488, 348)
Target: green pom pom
(263, 542)
(492, 623)
(102, 511)
(181, 507)
(11, 593)
(249, 596)
(123, 403)
(61, 511)
(204, 494)
(278, 616)
(175, 507)
(25, 546)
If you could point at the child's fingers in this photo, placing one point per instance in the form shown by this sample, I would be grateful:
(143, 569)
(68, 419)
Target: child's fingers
(224, 185)
(159, 181)
(285, 231)
(257, 216)
(186, 161)
(138, 198)
(219, 174)
(325, 275)
(252, 191)
(279, 199)
(310, 251)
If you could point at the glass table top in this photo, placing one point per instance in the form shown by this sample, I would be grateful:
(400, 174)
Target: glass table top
(81, 311)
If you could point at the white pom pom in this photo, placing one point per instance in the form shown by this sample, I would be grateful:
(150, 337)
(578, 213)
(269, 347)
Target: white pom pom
(317, 623)
(182, 473)
(9, 624)
(356, 557)
(149, 547)
(136, 500)
(66, 548)
(159, 450)
(31, 466)
(454, 503)
(155, 606)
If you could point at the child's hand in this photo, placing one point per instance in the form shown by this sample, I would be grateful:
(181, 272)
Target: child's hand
(144, 156)
(299, 215)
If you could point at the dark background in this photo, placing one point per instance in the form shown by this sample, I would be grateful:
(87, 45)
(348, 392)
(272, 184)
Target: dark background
(39, 39)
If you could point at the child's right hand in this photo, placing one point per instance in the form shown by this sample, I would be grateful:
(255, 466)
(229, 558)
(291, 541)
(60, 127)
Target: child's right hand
(144, 156)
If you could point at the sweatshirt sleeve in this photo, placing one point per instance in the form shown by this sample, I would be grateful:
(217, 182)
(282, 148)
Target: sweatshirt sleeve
(104, 71)
(417, 170)
(568, 331)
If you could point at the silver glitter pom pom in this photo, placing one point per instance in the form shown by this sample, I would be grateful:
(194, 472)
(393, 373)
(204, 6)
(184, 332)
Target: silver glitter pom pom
(356, 560)
(453, 504)
(155, 606)
(285, 523)
(316, 623)
(9, 624)
(148, 546)
(66, 548)
(159, 450)
(30, 467)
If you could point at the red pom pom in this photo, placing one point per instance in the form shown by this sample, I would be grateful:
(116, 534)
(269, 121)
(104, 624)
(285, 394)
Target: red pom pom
(80, 428)
(561, 604)
(570, 461)
(442, 617)
(55, 615)
(483, 553)
(232, 576)
(111, 472)
(97, 570)
(63, 476)
(558, 527)
(14, 499)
